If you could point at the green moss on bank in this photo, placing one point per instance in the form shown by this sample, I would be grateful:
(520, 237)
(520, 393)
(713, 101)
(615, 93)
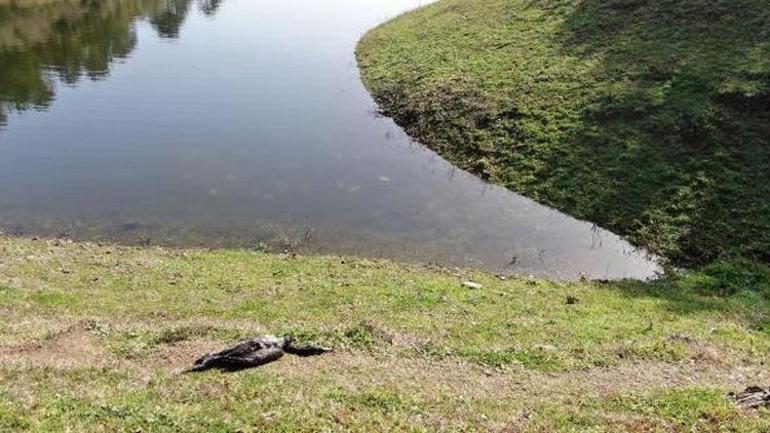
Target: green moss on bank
(648, 117)
(92, 338)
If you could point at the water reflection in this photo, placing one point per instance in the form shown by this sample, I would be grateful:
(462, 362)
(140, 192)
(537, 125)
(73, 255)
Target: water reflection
(209, 7)
(168, 20)
(65, 41)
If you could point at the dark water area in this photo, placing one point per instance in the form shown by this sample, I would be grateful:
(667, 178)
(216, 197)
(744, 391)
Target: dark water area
(244, 123)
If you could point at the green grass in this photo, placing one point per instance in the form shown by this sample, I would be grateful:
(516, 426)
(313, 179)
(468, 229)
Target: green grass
(92, 338)
(648, 117)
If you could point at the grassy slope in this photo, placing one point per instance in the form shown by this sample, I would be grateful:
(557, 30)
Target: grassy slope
(648, 117)
(92, 338)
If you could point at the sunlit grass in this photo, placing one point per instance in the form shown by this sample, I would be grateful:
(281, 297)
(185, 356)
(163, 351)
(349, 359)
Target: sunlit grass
(93, 337)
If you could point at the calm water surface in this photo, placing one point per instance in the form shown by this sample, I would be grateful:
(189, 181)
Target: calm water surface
(244, 123)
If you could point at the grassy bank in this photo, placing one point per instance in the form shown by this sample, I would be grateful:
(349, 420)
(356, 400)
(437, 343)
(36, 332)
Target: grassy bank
(93, 338)
(648, 117)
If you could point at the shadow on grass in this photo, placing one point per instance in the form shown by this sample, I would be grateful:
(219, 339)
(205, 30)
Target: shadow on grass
(736, 288)
(673, 146)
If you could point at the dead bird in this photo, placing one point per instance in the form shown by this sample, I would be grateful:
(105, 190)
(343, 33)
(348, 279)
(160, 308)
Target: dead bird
(753, 397)
(255, 352)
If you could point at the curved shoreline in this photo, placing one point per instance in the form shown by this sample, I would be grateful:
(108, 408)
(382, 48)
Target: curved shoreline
(517, 94)
(316, 172)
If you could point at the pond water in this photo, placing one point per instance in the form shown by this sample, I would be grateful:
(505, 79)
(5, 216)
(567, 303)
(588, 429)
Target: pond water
(244, 123)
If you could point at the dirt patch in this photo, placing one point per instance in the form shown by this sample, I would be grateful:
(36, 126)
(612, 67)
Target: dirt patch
(464, 380)
(76, 346)
(523, 392)
(80, 345)
(176, 357)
